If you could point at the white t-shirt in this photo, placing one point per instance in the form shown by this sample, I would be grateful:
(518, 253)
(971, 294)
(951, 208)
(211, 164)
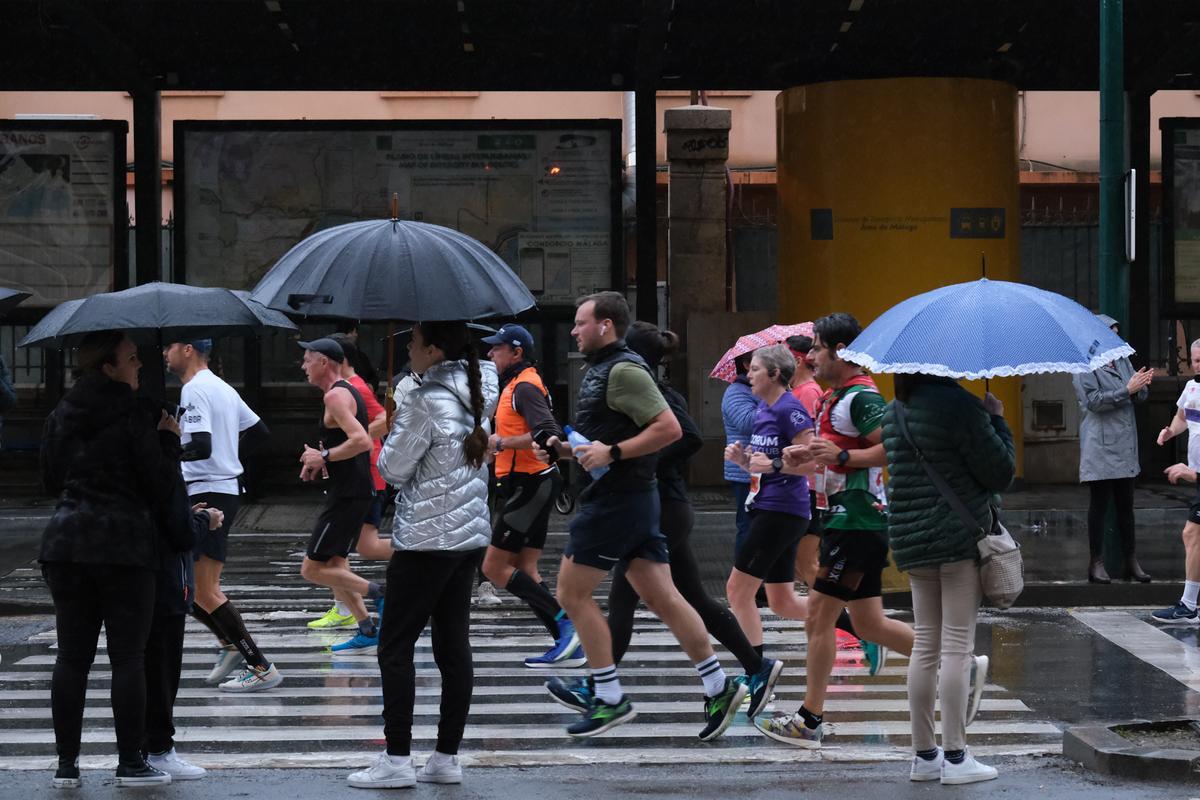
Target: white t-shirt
(213, 406)
(1189, 401)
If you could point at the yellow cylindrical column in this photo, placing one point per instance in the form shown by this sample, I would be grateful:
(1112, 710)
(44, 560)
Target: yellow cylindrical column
(890, 188)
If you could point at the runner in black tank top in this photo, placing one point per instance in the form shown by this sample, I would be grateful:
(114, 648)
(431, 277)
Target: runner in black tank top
(343, 454)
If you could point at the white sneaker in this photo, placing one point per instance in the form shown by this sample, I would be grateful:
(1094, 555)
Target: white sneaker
(979, 671)
(253, 681)
(387, 772)
(486, 595)
(923, 770)
(969, 771)
(441, 768)
(228, 659)
(179, 770)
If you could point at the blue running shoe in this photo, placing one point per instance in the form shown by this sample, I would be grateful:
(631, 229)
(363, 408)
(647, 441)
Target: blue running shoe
(760, 685)
(361, 644)
(1178, 614)
(566, 652)
(876, 655)
(576, 695)
(601, 717)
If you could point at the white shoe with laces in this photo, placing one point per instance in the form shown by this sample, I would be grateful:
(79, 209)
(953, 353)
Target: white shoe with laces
(179, 769)
(388, 772)
(441, 768)
(926, 769)
(966, 771)
(979, 671)
(486, 595)
(253, 680)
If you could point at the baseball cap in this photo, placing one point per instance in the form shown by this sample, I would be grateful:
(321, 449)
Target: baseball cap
(511, 334)
(203, 346)
(326, 347)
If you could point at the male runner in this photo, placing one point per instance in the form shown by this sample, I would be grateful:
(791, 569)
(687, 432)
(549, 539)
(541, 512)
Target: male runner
(527, 489)
(370, 545)
(627, 421)
(214, 421)
(343, 445)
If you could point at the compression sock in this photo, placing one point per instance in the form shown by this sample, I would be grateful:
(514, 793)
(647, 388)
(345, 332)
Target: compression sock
(538, 598)
(207, 621)
(758, 648)
(230, 620)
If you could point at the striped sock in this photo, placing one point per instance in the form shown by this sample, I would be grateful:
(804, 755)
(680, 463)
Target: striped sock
(608, 685)
(712, 675)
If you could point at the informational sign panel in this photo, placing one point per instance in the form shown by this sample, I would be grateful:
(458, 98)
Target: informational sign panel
(543, 195)
(1181, 215)
(62, 208)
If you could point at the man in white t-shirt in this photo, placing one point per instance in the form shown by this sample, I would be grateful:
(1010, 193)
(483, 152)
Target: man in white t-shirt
(213, 423)
(1186, 418)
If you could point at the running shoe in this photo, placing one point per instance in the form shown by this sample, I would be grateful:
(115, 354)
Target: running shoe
(790, 729)
(360, 644)
(876, 655)
(576, 695)
(179, 769)
(760, 684)
(228, 659)
(602, 717)
(979, 670)
(1178, 614)
(253, 680)
(565, 653)
(486, 595)
(141, 774)
(67, 776)
(333, 619)
(719, 711)
(385, 774)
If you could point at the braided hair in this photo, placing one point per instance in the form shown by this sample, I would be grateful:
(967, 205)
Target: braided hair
(454, 339)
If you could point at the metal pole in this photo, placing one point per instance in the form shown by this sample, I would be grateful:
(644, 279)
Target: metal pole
(645, 113)
(1114, 269)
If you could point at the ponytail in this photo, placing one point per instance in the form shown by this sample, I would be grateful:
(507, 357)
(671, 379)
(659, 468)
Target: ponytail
(653, 345)
(476, 444)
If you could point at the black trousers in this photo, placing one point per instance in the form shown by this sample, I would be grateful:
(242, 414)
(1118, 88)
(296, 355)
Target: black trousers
(676, 524)
(164, 660)
(122, 599)
(1120, 491)
(427, 587)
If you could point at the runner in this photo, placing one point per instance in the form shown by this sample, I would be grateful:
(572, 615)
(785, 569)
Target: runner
(214, 422)
(370, 545)
(848, 456)
(627, 421)
(527, 489)
(341, 458)
(655, 346)
(1187, 418)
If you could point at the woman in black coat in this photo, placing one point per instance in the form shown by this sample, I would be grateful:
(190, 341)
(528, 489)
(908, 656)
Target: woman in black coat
(111, 459)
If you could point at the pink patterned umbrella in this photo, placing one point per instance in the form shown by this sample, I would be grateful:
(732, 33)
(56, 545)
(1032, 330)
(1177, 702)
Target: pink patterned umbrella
(726, 370)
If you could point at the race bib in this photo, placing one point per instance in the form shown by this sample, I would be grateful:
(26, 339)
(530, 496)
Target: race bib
(826, 482)
(755, 485)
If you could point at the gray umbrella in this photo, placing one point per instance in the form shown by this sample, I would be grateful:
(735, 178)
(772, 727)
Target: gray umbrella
(11, 298)
(269, 317)
(169, 311)
(393, 270)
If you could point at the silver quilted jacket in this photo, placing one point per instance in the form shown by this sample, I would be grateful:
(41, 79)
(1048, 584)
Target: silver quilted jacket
(442, 501)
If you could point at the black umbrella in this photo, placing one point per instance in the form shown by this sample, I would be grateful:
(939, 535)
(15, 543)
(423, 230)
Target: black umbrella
(393, 270)
(167, 311)
(11, 298)
(269, 317)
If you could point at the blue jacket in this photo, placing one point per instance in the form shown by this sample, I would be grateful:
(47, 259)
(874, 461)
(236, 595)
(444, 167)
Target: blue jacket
(738, 407)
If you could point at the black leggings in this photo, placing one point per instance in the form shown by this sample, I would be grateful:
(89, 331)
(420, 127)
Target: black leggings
(1120, 490)
(425, 586)
(676, 524)
(164, 660)
(122, 599)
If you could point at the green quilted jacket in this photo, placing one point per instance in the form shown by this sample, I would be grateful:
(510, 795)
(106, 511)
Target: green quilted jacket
(970, 448)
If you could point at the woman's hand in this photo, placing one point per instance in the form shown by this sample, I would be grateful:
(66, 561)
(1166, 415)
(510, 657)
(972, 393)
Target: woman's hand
(737, 454)
(1140, 380)
(168, 423)
(993, 406)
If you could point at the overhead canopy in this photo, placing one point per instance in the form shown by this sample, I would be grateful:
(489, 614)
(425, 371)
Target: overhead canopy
(604, 45)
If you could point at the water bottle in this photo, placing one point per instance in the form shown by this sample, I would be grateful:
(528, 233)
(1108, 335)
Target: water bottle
(577, 439)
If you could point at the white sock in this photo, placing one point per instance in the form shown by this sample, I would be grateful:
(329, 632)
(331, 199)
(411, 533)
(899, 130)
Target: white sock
(399, 761)
(608, 685)
(1191, 590)
(712, 675)
(342, 608)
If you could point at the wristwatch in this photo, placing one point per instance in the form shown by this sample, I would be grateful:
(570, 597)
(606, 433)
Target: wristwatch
(843, 457)
(499, 444)
(614, 452)
(325, 454)
(777, 464)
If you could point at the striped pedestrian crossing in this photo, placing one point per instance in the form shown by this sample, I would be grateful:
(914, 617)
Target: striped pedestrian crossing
(327, 712)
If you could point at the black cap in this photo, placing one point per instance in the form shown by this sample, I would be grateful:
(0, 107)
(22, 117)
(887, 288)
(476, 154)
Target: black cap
(326, 347)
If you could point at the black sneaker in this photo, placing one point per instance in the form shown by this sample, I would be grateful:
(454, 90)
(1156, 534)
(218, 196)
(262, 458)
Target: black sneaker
(601, 716)
(67, 776)
(576, 695)
(761, 684)
(139, 773)
(719, 711)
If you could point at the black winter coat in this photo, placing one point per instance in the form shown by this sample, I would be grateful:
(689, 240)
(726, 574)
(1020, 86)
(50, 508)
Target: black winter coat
(111, 470)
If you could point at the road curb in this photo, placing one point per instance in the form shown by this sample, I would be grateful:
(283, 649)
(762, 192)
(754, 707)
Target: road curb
(1101, 749)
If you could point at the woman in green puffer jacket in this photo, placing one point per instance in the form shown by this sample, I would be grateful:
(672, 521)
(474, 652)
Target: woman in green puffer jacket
(971, 447)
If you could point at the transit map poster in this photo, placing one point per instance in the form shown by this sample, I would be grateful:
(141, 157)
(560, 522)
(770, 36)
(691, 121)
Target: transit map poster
(543, 195)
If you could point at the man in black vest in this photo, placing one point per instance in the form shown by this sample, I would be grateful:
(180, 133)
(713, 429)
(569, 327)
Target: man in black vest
(626, 421)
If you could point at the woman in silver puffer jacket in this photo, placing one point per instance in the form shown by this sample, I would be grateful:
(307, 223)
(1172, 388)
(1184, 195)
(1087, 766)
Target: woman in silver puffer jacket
(434, 455)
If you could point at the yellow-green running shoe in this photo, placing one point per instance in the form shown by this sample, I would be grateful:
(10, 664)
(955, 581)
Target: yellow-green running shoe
(333, 619)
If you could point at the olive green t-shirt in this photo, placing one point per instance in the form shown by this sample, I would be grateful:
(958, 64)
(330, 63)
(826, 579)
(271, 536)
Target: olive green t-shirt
(633, 392)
